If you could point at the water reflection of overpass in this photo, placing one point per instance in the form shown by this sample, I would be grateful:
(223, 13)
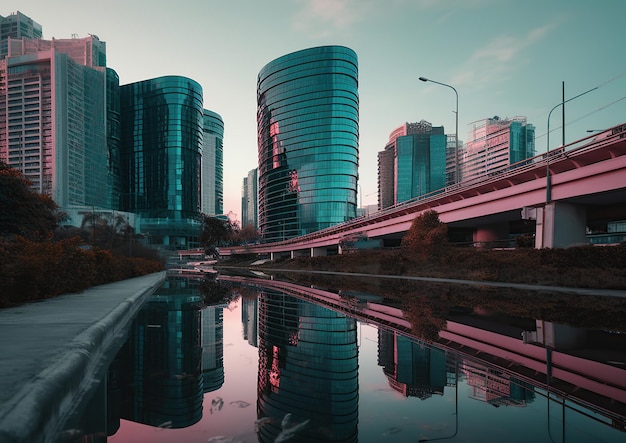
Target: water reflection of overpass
(594, 385)
(587, 186)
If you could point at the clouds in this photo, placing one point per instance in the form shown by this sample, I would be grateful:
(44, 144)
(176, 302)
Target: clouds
(326, 18)
(499, 57)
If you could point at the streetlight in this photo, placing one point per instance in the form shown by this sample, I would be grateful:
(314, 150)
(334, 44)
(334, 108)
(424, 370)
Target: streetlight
(456, 149)
(548, 176)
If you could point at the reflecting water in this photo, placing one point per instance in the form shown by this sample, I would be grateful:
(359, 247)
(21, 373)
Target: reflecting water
(274, 362)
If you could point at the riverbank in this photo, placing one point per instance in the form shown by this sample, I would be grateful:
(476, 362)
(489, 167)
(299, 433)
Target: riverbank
(580, 267)
(582, 288)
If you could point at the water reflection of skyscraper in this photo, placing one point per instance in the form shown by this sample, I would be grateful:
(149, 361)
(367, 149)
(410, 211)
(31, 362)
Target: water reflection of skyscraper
(160, 364)
(496, 387)
(308, 371)
(212, 343)
(412, 368)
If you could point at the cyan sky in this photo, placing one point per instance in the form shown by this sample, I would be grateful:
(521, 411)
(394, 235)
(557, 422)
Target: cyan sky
(504, 57)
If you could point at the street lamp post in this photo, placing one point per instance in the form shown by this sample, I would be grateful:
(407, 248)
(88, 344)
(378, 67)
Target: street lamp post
(456, 149)
(548, 174)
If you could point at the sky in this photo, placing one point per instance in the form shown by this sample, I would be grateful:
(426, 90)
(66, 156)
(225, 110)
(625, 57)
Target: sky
(505, 58)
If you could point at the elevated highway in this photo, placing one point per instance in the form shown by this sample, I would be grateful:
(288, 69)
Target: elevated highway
(561, 193)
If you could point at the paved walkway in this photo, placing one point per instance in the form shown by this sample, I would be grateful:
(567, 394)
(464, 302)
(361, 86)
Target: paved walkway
(49, 351)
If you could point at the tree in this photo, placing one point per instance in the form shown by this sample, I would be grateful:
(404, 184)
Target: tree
(24, 211)
(428, 236)
(108, 231)
(215, 232)
(247, 234)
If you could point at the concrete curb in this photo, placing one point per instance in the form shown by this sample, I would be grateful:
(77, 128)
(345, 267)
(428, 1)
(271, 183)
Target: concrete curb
(36, 412)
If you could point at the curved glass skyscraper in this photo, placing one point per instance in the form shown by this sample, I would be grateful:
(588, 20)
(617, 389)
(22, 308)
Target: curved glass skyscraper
(162, 134)
(308, 134)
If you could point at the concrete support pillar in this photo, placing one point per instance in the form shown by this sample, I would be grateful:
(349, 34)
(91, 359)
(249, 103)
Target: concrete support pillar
(561, 225)
(272, 256)
(491, 233)
(319, 252)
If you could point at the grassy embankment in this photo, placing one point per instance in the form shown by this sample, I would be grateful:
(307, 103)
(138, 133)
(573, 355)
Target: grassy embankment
(427, 304)
(581, 267)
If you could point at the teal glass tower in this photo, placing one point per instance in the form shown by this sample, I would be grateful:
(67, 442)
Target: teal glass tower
(421, 163)
(412, 164)
(308, 135)
(212, 181)
(162, 135)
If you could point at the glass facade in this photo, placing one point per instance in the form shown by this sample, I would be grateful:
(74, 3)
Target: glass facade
(308, 133)
(421, 164)
(494, 145)
(162, 135)
(113, 135)
(412, 164)
(212, 189)
(249, 199)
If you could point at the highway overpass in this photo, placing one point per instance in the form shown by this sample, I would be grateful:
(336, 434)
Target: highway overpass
(559, 196)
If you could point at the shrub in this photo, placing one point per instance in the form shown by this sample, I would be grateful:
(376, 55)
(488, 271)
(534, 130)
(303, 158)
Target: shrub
(427, 236)
(37, 270)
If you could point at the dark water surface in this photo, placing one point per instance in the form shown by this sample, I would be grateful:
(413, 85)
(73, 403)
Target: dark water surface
(279, 363)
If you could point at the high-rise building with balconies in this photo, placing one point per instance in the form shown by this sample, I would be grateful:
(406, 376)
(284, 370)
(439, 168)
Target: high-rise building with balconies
(494, 144)
(308, 141)
(53, 114)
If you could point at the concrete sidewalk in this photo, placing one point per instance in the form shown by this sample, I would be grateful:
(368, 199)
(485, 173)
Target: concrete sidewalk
(50, 350)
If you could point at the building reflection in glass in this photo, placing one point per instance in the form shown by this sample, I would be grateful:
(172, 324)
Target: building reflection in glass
(160, 364)
(308, 372)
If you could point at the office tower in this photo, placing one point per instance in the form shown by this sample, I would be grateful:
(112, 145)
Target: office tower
(494, 144)
(17, 26)
(53, 116)
(162, 135)
(113, 135)
(412, 164)
(212, 178)
(308, 132)
(249, 198)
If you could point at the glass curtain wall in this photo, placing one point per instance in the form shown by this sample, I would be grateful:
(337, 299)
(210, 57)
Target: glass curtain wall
(308, 131)
(162, 133)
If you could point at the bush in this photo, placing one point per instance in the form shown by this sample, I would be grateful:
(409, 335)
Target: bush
(38, 270)
(427, 237)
